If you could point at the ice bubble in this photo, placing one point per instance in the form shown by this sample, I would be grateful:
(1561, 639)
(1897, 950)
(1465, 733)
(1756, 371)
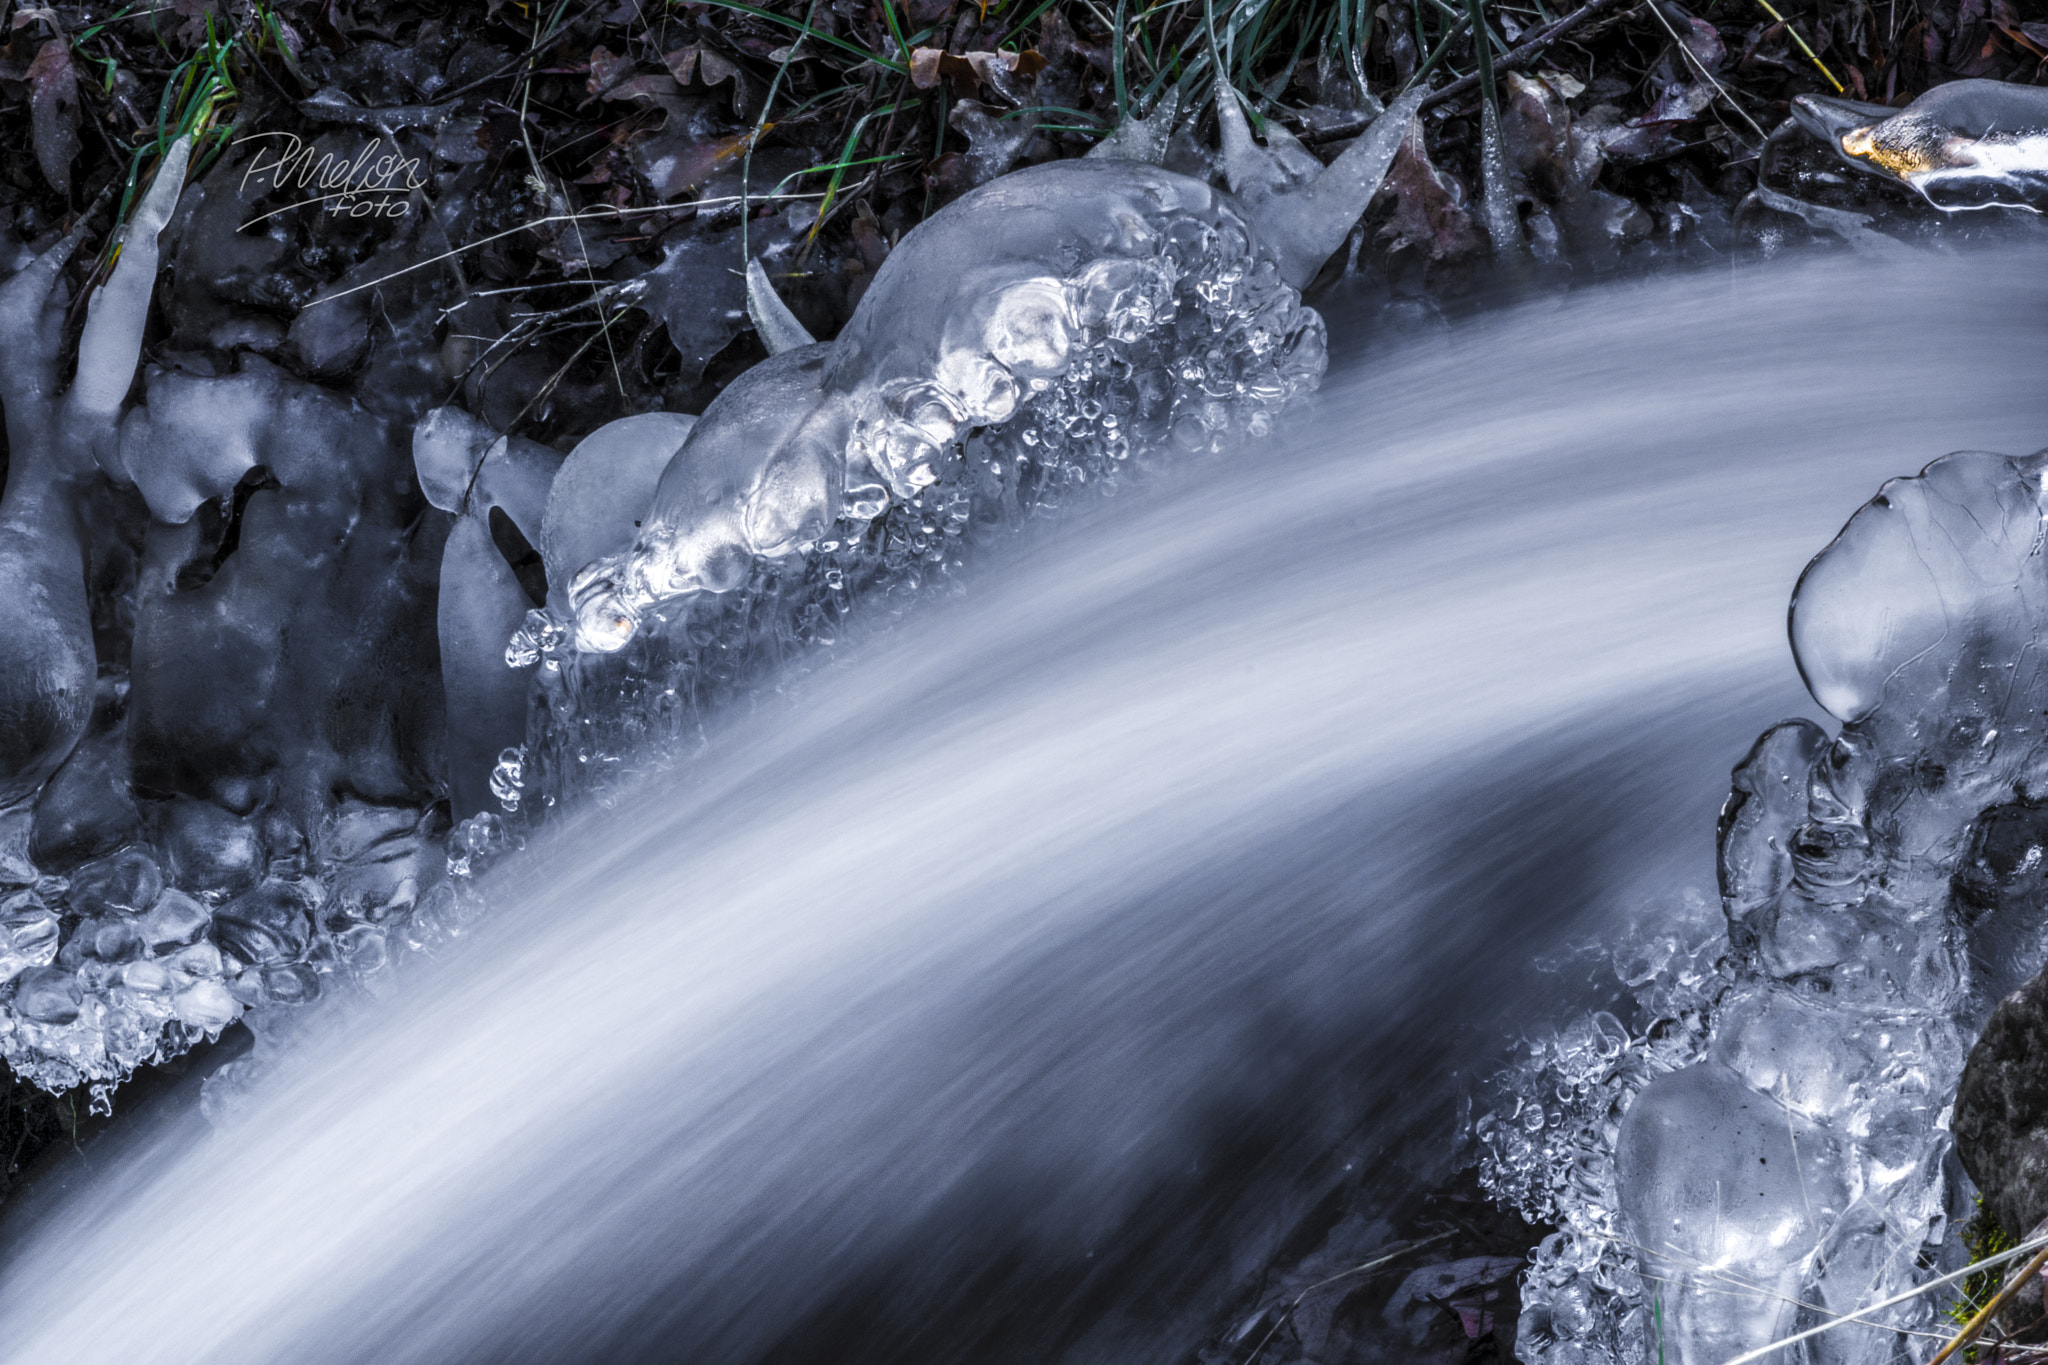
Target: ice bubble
(48, 995)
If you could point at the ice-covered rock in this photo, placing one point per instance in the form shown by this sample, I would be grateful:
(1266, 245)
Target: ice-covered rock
(1878, 897)
(1968, 144)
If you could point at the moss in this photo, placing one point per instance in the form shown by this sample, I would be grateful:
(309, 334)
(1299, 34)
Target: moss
(1983, 1238)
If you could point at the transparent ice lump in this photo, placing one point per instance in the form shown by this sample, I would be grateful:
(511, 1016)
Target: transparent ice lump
(1016, 303)
(1766, 1150)
(1045, 338)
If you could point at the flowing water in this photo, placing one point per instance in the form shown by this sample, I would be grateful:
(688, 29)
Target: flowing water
(1013, 992)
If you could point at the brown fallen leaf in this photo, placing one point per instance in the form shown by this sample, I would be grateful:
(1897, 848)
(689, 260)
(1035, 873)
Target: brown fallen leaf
(53, 112)
(606, 70)
(968, 71)
(1429, 209)
(674, 161)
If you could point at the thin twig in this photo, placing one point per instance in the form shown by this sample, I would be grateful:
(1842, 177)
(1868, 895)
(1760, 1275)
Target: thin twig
(1530, 48)
(1340, 1275)
(1810, 53)
(597, 211)
(1990, 1310)
(1761, 1352)
(1701, 67)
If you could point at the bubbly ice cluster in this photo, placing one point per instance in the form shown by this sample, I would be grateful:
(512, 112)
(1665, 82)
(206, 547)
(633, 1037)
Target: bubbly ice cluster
(177, 853)
(1189, 343)
(1031, 301)
(137, 954)
(1546, 1134)
(1042, 339)
(1880, 892)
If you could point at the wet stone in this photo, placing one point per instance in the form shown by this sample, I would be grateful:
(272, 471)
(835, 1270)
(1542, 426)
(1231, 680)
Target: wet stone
(211, 849)
(2001, 1118)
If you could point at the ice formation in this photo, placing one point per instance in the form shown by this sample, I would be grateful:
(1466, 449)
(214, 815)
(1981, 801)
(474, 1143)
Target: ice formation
(1033, 342)
(1970, 144)
(1768, 1142)
(178, 850)
(46, 693)
(241, 801)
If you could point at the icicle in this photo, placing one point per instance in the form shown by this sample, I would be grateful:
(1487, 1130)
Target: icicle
(1305, 224)
(482, 601)
(112, 340)
(778, 328)
(1250, 170)
(47, 675)
(1496, 196)
(1143, 139)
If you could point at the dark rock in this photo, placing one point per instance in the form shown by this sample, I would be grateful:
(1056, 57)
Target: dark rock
(2001, 1116)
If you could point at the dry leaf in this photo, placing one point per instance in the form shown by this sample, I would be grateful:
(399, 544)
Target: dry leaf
(674, 162)
(714, 68)
(605, 70)
(53, 112)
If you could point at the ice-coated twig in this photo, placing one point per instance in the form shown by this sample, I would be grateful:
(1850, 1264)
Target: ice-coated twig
(112, 340)
(2032, 1244)
(1734, 1286)
(778, 327)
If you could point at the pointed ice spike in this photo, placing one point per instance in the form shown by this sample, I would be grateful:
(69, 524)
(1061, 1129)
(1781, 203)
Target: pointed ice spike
(112, 340)
(1496, 196)
(1304, 226)
(1143, 139)
(1249, 168)
(29, 375)
(778, 327)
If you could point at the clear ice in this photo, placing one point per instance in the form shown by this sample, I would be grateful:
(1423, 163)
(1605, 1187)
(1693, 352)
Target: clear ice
(1044, 338)
(339, 614)
(1964, 145)
(1766, 1147)
(272, 686)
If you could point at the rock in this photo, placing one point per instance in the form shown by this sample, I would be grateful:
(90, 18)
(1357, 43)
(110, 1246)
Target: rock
(2001, 1116)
